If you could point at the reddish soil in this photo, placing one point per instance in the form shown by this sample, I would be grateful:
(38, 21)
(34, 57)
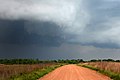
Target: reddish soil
(73, 72)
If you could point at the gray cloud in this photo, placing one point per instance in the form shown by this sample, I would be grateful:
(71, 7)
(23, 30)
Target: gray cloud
(103, 27)
(65, 51)
(76, 21)
(64, 12)
(65, 29)
(15, 32)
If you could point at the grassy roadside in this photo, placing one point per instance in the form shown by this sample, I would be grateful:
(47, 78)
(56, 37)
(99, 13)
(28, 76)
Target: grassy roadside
(112, 75)
(35, 74)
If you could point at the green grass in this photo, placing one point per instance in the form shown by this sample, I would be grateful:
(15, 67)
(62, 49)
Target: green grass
(112, 75)
(35, 74)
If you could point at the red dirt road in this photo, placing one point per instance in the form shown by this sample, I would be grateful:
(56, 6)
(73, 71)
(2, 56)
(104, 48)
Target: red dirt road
(73, 72)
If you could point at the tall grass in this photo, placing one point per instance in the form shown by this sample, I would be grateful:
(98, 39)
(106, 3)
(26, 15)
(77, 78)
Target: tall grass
(109, 66)
(6, 71)
(111, 69)
(34, 75)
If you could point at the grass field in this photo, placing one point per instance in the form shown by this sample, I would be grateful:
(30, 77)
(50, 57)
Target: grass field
(8, 71)
(109, 66)
(111, 69)
(34, 75)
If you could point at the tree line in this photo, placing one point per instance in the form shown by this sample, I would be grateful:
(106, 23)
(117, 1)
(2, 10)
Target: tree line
(107, 60)
(37, 61)
(20, 61)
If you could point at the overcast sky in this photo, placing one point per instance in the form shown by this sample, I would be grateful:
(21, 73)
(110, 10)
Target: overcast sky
(65, 29)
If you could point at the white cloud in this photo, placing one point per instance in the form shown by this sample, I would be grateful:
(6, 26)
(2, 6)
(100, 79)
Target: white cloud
(63, 12)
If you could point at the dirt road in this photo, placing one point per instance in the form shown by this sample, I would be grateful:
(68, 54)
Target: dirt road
(73, 72)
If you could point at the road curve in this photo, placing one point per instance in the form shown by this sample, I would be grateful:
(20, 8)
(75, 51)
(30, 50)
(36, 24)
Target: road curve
(73, 72)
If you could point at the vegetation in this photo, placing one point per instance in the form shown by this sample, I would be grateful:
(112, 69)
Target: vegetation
(35, 74)
(109, 66)
(21, 68)
(37, 61)
(6, 71)
(111, 69)
(25, 69)
(22, 61)
(73, 61)
(102, 60)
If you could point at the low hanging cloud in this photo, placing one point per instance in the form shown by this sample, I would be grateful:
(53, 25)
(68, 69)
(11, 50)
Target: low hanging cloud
(81, 21)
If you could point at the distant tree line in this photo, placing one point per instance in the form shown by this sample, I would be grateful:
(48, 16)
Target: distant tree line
(72, 61)
(108, 60)
(37, 61)
(22, 61)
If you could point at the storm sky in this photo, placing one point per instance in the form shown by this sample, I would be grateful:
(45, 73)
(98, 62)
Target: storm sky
(65, 29)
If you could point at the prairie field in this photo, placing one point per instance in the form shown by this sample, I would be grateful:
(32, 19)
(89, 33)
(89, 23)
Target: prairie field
(108, 66)
(110, 69)
(7, 71)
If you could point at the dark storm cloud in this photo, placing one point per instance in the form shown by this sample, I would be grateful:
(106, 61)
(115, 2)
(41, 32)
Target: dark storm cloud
(75, 21)
(79, 21)
(65, 51)
(72, 28)
(14, 32)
